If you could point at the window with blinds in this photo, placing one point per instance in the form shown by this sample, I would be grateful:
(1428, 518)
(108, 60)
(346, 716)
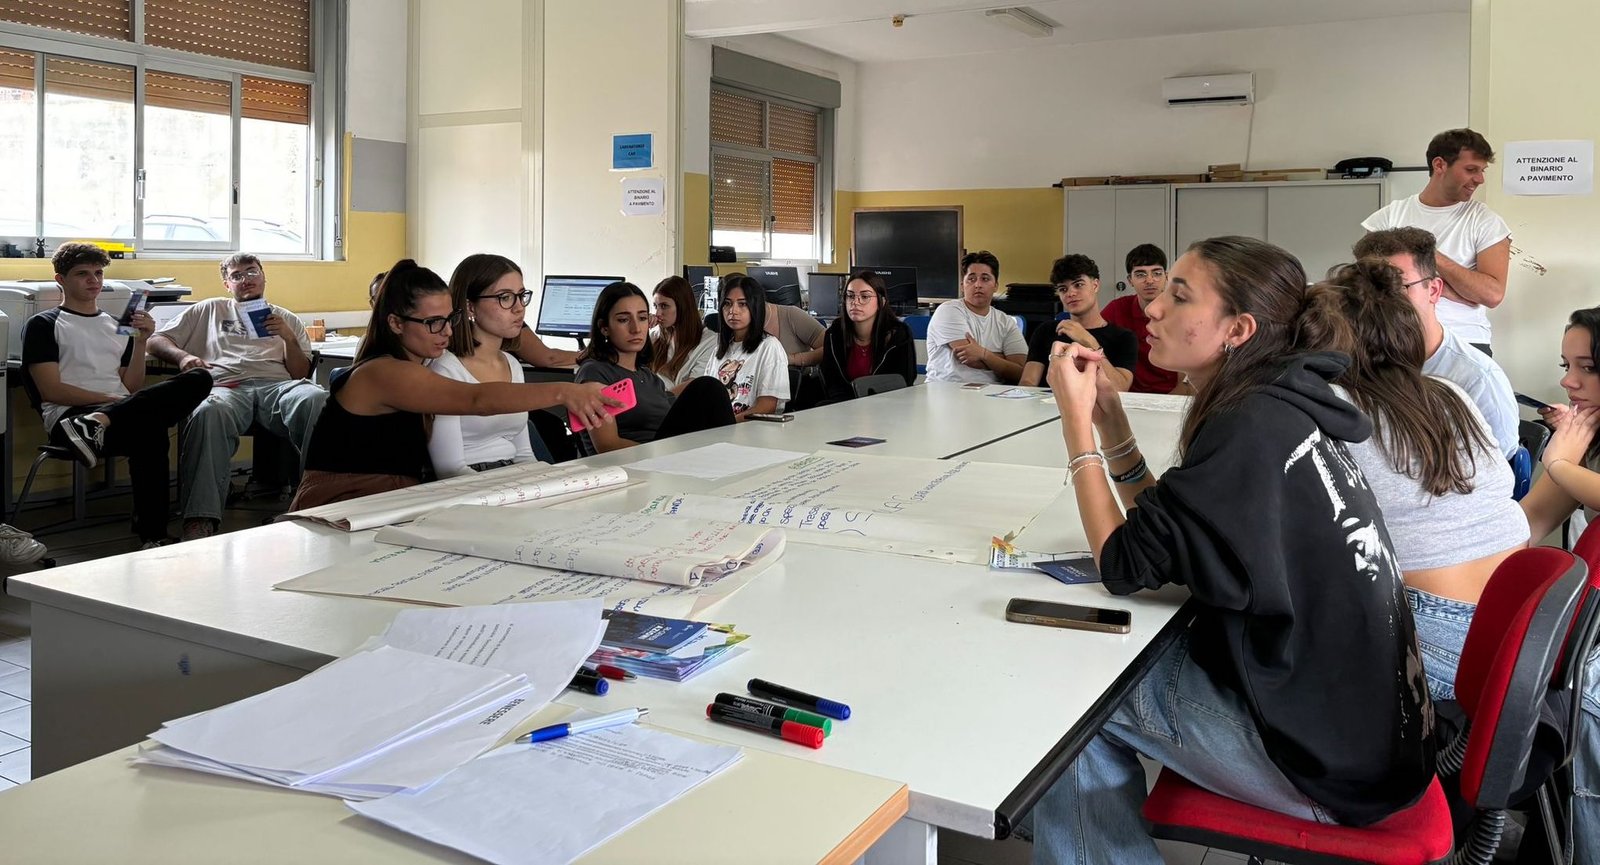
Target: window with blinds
(228, 148)
(766, 168)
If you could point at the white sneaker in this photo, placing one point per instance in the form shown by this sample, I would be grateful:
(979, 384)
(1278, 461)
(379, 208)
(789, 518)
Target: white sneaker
(17, 547)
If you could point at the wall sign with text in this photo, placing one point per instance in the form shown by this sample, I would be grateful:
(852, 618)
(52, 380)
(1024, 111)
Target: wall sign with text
(1548, 168)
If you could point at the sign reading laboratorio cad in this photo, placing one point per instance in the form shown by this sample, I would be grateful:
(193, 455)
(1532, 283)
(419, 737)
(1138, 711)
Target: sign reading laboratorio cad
(643, 196)
(1548, 168)
(629, 152)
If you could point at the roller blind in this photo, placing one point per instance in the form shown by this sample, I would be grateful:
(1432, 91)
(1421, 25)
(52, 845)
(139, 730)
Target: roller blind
(88, 80)
(271, 32)
(791, 130)
(794, 196)
(736, 119)
(165, 90)
(739, 193)
(283, 101)
(16, 70)
(111, 19)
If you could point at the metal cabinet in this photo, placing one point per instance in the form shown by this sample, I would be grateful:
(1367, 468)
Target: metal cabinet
(1104, 222)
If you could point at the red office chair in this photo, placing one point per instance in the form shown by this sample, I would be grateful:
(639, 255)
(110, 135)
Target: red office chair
(1509, 658)
(1555, 795)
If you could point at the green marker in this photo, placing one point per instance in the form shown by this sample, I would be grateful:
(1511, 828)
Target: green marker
(763, 709)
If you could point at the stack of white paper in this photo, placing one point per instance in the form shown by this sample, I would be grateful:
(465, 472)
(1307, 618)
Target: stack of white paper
(552, 802)
(365, 726)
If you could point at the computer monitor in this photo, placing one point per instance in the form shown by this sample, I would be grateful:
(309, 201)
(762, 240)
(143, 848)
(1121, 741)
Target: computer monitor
(774, 278)
(697, 273)
(900, 283)
(568, 303)
(824, 293)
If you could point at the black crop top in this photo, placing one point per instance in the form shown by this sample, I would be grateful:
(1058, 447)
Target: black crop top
(384, 444)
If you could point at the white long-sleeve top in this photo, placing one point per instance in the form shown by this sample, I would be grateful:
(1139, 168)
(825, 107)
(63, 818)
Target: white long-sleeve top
(459, 441)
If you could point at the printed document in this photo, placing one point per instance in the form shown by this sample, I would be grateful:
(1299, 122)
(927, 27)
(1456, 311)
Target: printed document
(554, 801)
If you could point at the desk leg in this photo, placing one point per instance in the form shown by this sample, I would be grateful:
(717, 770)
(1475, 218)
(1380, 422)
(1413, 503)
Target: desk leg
(99, 686)
(908, 842)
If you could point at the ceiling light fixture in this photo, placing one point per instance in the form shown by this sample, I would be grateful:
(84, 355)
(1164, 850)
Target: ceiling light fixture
(1022, 20)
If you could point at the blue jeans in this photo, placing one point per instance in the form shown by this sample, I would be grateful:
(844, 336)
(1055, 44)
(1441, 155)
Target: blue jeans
(1586, 768)
(1180, 718)
(1441, 632)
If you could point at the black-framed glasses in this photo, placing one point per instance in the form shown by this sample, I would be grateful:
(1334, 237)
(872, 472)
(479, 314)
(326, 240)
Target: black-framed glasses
(1406, 285)
(437, 323)
(510, 299)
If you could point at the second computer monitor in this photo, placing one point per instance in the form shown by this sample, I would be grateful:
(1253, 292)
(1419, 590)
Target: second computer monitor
(774, 279)
(567, 304)
(900, 284)
(823, 291)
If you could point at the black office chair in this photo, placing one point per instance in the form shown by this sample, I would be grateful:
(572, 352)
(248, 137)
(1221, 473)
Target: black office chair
(788, 295)
(80, 482)
(1533, 435)
(868, 385)
(713, 322)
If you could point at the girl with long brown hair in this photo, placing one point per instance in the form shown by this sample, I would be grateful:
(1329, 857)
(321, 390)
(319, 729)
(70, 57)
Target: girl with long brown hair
(1297, 686)
(682, 341)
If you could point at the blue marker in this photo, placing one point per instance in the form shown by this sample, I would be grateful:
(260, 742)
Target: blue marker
(558, 731)
(798, 699)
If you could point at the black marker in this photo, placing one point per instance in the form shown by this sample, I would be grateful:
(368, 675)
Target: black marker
(800, 699)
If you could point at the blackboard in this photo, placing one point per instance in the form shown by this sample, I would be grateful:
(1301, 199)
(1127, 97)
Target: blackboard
(927, 238)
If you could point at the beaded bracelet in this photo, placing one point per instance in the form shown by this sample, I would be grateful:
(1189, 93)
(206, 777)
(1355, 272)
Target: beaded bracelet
(1072, 473)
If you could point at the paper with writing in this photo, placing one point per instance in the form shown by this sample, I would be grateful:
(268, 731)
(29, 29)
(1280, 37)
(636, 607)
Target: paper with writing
(632, 546)
(554, 801)
(448, 579)
(526, 483)
(939, 509)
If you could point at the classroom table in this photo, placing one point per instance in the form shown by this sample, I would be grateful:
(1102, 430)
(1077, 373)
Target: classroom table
(976, 715)
(766, 807)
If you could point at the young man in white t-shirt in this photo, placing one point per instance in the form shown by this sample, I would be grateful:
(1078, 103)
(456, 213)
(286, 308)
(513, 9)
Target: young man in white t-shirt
(89, 382)
(1445, 355)
(968, 339)
(1474, 243)
(260, 381)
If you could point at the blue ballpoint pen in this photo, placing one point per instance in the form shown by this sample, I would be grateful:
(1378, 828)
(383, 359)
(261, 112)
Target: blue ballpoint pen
(600, 722)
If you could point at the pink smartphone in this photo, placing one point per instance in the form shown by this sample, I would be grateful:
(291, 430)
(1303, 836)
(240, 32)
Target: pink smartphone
(622, 392)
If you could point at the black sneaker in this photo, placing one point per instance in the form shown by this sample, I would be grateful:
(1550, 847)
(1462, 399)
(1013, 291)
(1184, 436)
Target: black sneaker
(88, 437)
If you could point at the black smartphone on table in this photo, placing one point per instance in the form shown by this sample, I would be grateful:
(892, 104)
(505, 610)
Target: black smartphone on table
(1054, 615)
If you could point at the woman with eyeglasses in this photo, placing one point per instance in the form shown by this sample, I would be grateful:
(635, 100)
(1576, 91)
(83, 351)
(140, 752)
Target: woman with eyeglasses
(489, 288)
(869, 339)
(372, 435)
(620, 348)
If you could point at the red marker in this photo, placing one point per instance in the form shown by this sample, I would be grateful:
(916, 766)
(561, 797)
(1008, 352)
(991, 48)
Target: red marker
(789, 731)
(611, 672)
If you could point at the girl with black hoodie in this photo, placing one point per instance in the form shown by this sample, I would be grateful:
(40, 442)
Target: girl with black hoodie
(1298, 687)
(869, 339)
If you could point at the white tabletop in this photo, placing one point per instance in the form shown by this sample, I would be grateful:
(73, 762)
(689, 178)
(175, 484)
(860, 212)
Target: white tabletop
(947, 696)
(106, 810)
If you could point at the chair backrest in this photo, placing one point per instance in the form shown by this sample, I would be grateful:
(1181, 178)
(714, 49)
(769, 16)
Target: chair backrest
(1522, 469)
(1533, 435)
(1022, 324)
(1507, 662)
(868, 385)
(918, 324)
(1586, 623)
(787, 295)
(713, 322)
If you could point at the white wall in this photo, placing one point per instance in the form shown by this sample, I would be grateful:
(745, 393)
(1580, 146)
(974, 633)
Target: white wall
(375, 63)
(697, 96)
(609, 67)
(1029, 117)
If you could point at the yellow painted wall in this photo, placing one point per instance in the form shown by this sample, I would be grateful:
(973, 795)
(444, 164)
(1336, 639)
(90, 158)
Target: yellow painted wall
(696, 197)
(1022, 227)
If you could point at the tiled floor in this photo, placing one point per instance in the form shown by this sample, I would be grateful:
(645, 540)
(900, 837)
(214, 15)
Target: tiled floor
(15, 692)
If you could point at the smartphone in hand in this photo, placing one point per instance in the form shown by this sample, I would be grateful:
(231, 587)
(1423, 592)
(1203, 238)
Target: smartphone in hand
(137, 300)
(622, 392)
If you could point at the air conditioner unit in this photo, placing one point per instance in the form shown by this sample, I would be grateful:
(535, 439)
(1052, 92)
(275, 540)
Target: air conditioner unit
(1235, 88)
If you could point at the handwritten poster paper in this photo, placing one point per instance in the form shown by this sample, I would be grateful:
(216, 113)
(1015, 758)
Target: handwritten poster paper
(939, 509)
